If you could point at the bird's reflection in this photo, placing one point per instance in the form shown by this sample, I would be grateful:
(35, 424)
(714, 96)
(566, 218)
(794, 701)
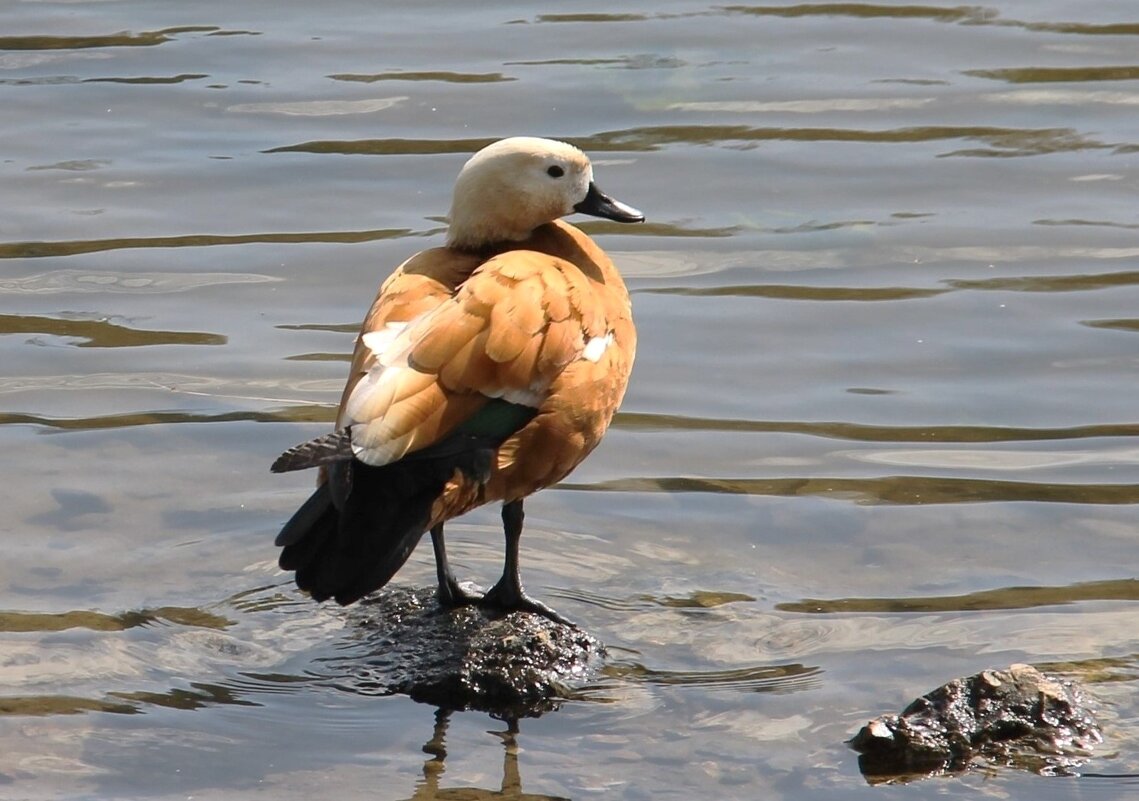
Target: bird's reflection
(431, 788)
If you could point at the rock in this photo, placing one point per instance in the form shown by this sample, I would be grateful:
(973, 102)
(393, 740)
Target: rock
(1018, 717)
(513, 666)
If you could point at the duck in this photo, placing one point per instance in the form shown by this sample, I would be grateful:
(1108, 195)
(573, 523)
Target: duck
(485, 370)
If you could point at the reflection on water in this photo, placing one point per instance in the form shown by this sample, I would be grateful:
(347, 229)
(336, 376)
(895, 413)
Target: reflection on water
(1058, 74)
(50, 705)
(299, 414)
(448, 77)
(59, 282)
(1054, 283)
(1001, 141)
(431, 787)
(142, 39)
(1004, 598)
(97, 621)
(766, 678)
(880, 434)
(865, 433)
(32, 250)
(101, 333)
(888, 489)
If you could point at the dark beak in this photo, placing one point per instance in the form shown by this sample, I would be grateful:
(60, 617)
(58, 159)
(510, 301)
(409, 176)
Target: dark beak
(599, 204)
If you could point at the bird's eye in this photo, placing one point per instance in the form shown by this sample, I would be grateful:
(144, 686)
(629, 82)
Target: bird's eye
(555, 171)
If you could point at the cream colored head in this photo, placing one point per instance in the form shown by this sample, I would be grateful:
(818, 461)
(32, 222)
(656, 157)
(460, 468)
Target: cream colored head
(511, 187)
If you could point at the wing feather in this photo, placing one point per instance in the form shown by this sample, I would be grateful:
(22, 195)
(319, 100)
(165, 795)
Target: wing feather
(508, 332)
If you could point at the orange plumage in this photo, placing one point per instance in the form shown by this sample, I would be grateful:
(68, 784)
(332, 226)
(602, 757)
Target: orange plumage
(485, 370)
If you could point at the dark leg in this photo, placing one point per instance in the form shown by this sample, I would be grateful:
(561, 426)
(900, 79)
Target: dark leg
(508, 594)
(450, 593)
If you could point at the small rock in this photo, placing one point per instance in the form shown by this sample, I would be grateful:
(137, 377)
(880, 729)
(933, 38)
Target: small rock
(512, 666)
(1018, 717)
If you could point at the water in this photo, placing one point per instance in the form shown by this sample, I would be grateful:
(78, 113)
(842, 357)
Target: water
(880, 433)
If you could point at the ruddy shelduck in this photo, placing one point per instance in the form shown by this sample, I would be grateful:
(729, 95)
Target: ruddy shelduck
(485, 370)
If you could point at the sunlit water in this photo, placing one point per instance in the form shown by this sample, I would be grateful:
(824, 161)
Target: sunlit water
(881, 432)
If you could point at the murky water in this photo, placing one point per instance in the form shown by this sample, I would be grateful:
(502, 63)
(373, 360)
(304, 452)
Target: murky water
(881, 432)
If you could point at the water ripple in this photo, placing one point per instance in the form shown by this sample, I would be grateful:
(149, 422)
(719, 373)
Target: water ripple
(1090, 223)
(1000, 141)
(106, 281)
(102, 333)
(757, 678)
(1131, 325)
(794, 292)
(198, 696)
(1058, 74)
(318, 108)
(49, 705)
(960, 14)
(885, 490)
(644, 421)
(33, 250)
(122, 39)
(99, 621)
(308, 413)
(148, 81)
(986, 600)
(438, 75)
(698, 599)
(1082, 282)
(591, 17)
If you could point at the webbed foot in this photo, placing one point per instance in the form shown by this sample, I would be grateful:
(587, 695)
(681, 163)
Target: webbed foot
(452, 595)
(507, 596)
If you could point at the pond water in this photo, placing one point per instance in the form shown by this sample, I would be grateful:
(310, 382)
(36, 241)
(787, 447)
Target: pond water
(881, 431)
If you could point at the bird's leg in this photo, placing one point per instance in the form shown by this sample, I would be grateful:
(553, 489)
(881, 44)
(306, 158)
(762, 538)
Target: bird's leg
(450, 593)
(508, 595)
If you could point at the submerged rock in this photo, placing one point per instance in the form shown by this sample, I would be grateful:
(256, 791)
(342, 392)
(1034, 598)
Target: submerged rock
(1018, 717)
(512, 666)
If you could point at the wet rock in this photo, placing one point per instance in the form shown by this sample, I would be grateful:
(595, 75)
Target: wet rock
(1018, 717)
(513, 666)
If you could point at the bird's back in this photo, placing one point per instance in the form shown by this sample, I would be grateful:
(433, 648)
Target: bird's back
(555, 291)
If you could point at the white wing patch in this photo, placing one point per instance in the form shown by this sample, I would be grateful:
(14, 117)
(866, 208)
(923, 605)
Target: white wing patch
(372, 396)
(531, 397)
(596, 347)
(378, 341)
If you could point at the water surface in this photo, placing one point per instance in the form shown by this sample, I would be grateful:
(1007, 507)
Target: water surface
(881, 432)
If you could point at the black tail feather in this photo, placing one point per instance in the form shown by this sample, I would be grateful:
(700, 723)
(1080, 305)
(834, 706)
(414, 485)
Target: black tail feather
(345, 547)
(306, 519)
(334, 447)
